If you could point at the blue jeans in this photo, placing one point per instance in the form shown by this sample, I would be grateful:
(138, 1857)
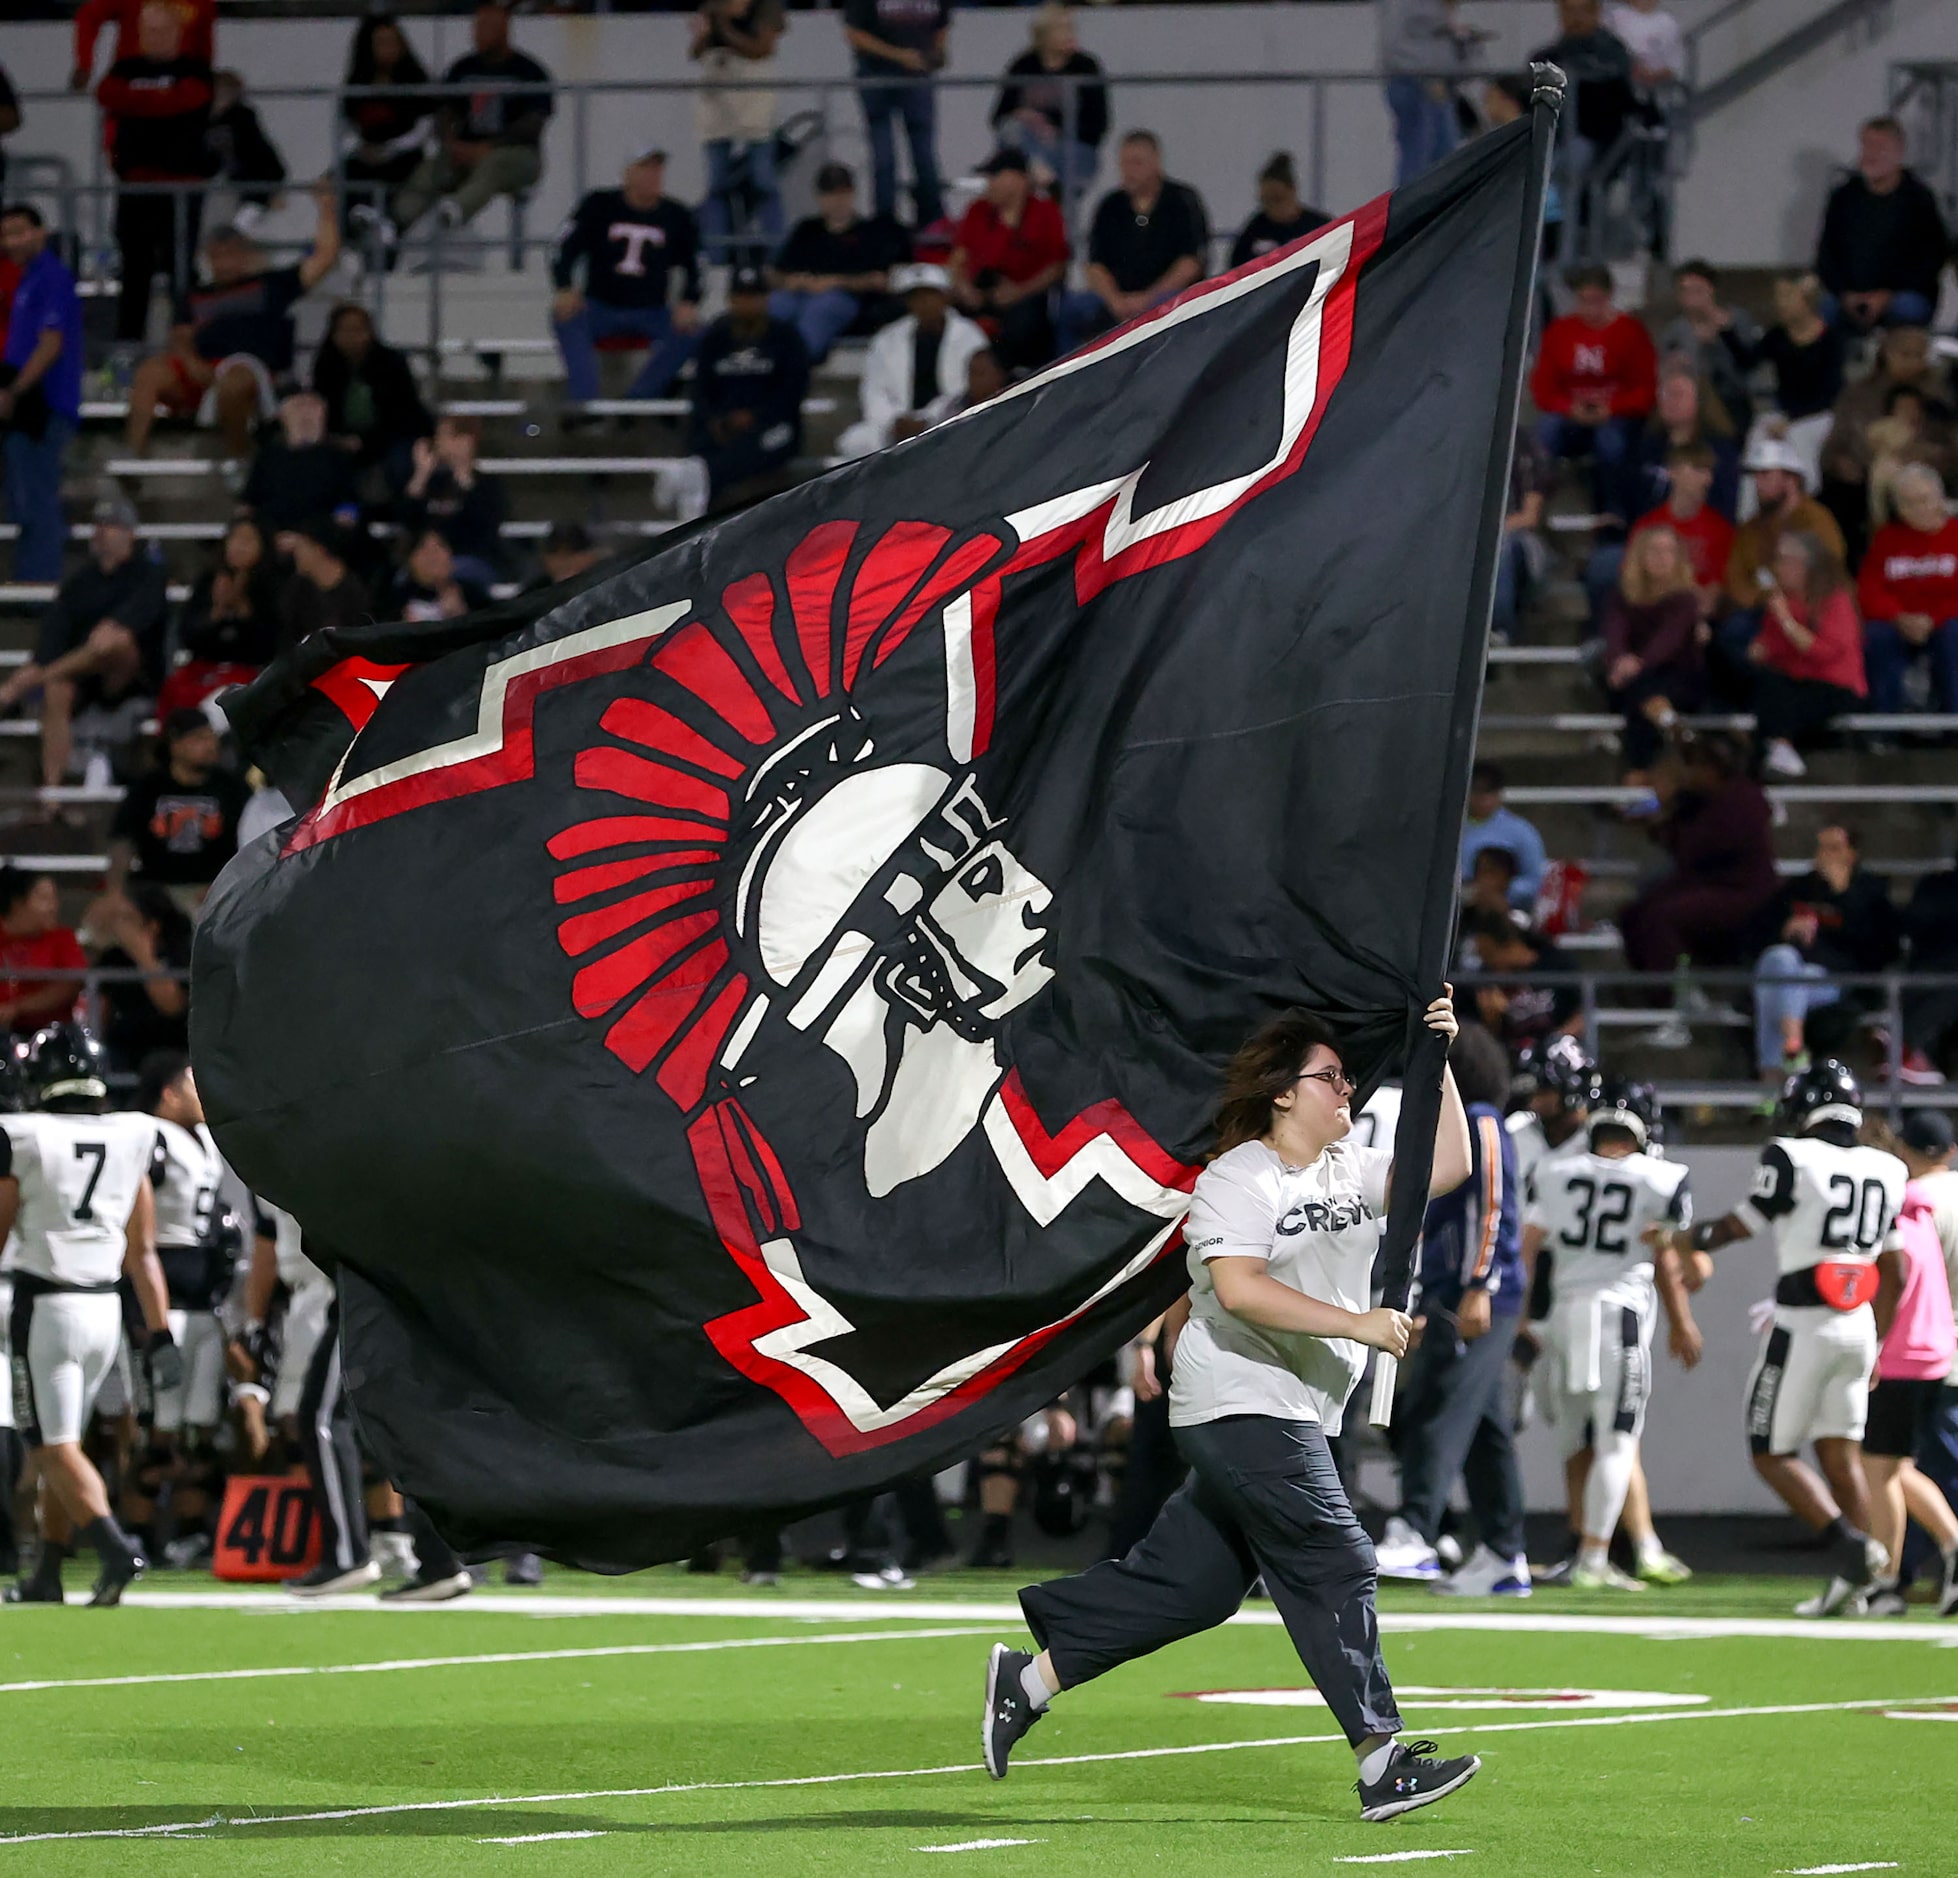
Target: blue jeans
(1887, 655)
(1608, 445)
(917, 105)
(741, 195)
(1776, 1005)
(34, 498)
(1512, 582)
(821, 318)
(1905, 309)
(578, 337)
(1424, 128)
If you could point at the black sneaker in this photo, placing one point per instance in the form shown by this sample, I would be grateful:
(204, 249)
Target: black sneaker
(1413, 1778)
(1948, 1595)
(117, 1576)
(523, 1568)
(1008, 1712)
(36, 1591)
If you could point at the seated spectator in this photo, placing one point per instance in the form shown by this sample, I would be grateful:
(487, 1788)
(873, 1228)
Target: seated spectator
(1595, 379)
(630, 242)
(177, 826)
(1883, 241)
(1803, 351)
(229, 626)
(1008, 256)
(1520, 1015)
(1905, 363)
(448, 492)
(1487, 890)
(1523, 554)
(1930, 923)
(233, 336)
(374, 408)
(1686, 413)
(1782, 504)
(1150, 240)
(145, 932)
(1653, 665)
(1699, 332)
(1837, 917)
(1282, 217)
(387, 132)
(1719, 832)
(749, 382)
(241, 154)
(101, 637)
(427, 585)
(1706, 536)
(913, 364)
(300, 472)
(489, 140)
(567, 552)
(833, 274)
(33, 940)
(1490, 823)
(323, 590)
(1808, 654)
(1053, 104)
(986, 377)
(1909, 595)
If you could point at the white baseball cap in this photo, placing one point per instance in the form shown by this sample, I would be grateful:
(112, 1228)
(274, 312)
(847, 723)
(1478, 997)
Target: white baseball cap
(920, 274)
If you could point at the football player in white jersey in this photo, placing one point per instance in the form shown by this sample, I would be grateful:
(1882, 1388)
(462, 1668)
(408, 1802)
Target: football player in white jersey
(1555, 1086)
(75, 1183)
(1606, 1212)
(1832, 1206)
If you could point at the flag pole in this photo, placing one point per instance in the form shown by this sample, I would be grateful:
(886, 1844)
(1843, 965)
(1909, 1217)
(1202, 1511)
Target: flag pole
(1426, 1054)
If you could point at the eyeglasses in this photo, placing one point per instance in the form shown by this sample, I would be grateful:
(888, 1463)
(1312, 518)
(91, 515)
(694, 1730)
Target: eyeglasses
(1336, 1080)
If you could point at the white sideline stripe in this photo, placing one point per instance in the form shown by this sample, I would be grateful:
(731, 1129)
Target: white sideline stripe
(399, 1807)
(539, 1838)
(979, 1845)
(1397, 1858)
(1816, 1871)
(273, 1671)
(1921, 1714)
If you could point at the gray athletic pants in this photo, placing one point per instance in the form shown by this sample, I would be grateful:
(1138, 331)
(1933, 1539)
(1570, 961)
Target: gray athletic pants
(1262, 1497)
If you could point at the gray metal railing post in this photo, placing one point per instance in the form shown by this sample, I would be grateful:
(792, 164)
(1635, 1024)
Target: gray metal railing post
(1893, 1025)
(1318, 150)
(580, 142)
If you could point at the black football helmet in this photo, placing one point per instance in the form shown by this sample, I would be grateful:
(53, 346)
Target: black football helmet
(1570, 1075)
(1824, 1092)
(65, 1066)
(1632, 1106)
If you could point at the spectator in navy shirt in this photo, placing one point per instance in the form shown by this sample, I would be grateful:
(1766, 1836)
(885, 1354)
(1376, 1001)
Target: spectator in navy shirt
(630, 241)
(41, 398)
(833, 274)
(897, 41)
(1883, 241)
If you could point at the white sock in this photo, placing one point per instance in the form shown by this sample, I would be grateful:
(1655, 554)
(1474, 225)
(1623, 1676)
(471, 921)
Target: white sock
(1649, 1547)
(1376, 1761)
(1035, 1684)
(1593, 1558)
(1612, 1455)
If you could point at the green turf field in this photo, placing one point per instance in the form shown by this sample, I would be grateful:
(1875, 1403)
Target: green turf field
(592, 1728)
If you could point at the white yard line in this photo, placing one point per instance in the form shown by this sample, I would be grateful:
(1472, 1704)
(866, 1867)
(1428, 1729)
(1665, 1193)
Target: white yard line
(494, 1656)
(400, 1807)
(980, 1845)
(1921, 1714)
(1816, 1871)
(1397, 1858)
(539, 1838)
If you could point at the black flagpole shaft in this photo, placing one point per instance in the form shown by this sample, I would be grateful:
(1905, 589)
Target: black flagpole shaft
(1427, 1056)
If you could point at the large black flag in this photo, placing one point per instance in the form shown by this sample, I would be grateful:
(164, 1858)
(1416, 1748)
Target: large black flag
(749, 1032)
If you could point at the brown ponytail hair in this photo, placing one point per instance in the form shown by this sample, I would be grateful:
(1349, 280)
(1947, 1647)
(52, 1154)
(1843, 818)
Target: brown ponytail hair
(1265, 1066)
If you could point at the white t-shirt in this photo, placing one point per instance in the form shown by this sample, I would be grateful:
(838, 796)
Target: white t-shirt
(1318, 1228)
(1374, 1126)
(1655, 38)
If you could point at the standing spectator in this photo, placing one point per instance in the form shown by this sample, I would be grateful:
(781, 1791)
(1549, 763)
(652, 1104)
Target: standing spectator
(157, 100)
(1700, 332)
(389, 130)
(323, 591)
(1653, 665)
(177, 826)
(9, 122)
(1883, 242)
(1151, 239)
(142, 932)
(231, 617)
(41, 402)
(899, 45)
(1838, 917)
(1282, 217)
(1599, 66)
(1808, 654)
(1909, 592)
(240, 153)
(833, 274)
(1719, 831)
(299, 473)
(914, 363)
(1905, 362)
(1491, 823)
(196, 22)
(1705, 535)
(1655, 40)
(1053, 104)
(33, 940)
(749, 383)
(630, 241)
(1523, 1015)
(490, 139)
(736, 39)
(1010, 254)
(1595, 380)
(448, 493)
(1523, 553)
(101, 636)
(427, 586)
(233, 337)
(1422, 44)
(374, 407)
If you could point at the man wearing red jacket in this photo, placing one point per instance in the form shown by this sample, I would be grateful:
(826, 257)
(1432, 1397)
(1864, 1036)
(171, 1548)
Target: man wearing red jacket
(1596, 379)
(197, 19)
(1909, 593)
(158, 103)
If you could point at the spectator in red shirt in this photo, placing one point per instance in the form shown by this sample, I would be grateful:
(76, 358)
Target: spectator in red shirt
(1009, 255)
(1595, 381)
(1808, 655)
(33, 939)
(1704, 533)
(197, 23)
(1909, 591)
(1654, 667)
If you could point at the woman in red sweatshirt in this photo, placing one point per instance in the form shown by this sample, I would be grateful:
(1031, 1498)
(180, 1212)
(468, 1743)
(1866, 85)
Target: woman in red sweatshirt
(1808, 655)
(1909, 591)
(1653, 665)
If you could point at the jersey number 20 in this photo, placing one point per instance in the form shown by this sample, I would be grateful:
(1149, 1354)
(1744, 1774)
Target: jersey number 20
(1857, 1217)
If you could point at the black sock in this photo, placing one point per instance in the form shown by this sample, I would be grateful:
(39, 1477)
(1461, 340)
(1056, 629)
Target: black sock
(998, 1529)
(112, 1545)
(1836, 1529)
(47, 1565)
